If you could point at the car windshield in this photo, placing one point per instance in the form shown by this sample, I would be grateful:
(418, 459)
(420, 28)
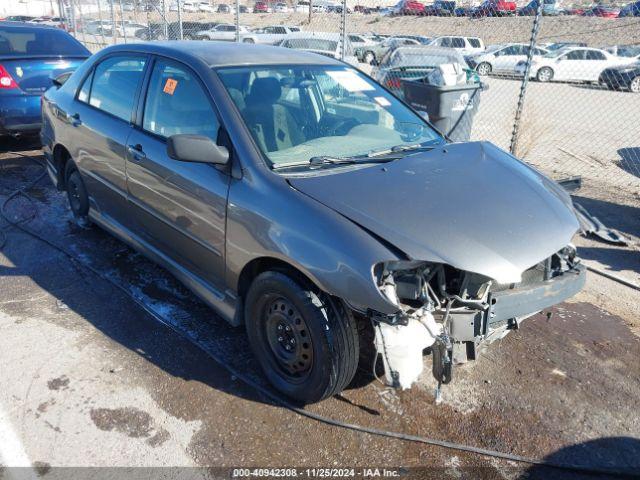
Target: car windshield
(296, 113)
(21, 42)
(427, 57)
(555, 53)
(313, 44)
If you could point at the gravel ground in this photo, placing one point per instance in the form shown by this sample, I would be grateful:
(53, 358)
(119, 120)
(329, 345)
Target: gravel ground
(92, 379)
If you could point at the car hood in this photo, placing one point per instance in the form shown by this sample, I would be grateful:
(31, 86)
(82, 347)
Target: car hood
(469, 205)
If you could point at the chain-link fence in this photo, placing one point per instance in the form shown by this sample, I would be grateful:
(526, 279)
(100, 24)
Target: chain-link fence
(556, 84)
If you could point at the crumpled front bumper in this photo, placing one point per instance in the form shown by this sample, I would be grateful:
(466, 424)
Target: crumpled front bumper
(516, 303)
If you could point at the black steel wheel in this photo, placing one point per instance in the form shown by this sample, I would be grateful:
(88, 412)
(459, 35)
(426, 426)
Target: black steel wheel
(305, 341)
(76, 192)
(288, 337)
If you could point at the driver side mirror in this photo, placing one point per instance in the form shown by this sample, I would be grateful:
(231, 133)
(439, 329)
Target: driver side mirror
(197, 149)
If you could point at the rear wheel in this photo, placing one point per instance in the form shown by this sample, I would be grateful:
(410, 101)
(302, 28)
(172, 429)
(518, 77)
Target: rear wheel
(634, 85)
(305, 341)
(77, 194)
(545, 74)
(484, 69)
(248, 40)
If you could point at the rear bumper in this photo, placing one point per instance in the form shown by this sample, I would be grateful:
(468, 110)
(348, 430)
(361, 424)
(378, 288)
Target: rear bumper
(20, 114)
(507, 307)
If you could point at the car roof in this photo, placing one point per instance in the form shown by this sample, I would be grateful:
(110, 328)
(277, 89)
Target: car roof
(4, 24)
(219, 54)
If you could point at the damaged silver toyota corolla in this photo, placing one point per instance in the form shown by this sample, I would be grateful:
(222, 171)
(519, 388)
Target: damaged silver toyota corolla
(298, 197)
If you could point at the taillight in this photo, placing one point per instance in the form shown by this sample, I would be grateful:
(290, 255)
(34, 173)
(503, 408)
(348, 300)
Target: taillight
(6, 80)
(394, 83)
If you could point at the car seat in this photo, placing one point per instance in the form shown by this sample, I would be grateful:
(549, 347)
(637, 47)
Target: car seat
(273, 126)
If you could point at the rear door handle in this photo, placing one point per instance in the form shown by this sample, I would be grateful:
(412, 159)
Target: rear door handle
(137, 155)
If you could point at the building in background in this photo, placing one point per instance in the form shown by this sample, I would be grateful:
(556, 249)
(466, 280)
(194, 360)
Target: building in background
(35, 8)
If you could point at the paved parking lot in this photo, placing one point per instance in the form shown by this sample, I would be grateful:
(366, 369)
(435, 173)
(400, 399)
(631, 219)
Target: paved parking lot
(90, 377)
(568, 129)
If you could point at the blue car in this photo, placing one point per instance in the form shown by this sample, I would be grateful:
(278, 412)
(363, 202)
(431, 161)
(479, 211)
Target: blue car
(631, 10)
(30, 56)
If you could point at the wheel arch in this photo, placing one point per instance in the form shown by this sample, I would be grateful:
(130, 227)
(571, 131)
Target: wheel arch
(264, 264)
(61, 157)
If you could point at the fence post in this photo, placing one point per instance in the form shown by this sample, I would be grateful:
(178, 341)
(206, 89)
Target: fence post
(124, 30)
(525, 79)
(343, 30)
(104, 40)
(164, 19)
(72, 13)
(180, 30)
(113, 22)
(237, 21)
(82, 30)
(310, 10)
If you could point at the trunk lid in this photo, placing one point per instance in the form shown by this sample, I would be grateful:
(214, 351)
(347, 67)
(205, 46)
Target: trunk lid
(33, 74)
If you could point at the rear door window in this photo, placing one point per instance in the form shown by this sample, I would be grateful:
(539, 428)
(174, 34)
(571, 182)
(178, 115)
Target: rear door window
(24, 41)
(116, 82)
(594, 55)
(474, 42)
(177, 103)
(575, 55)
(458, 42)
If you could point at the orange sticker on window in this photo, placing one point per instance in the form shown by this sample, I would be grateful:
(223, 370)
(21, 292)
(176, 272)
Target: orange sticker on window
(170, 86)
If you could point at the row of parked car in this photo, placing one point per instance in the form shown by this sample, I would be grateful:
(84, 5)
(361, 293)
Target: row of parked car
(561, 61)
(616, 67)
(500, 8)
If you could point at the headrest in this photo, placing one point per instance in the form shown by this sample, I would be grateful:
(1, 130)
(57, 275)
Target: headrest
(266, 90)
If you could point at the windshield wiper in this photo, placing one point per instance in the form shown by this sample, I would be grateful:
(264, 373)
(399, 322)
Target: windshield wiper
(398, 149)
(329, 160)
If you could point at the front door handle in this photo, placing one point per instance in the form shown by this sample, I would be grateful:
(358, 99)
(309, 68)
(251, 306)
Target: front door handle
(136, 152)
(74, 119)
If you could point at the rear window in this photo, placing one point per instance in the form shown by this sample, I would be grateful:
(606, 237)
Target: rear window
(19, 42)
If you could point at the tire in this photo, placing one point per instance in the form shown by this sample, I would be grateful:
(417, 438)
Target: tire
(483, 69)
(305, 341)
(369, 58)
(248, 40)
(76, 193)
(545, 74)
(634, 85)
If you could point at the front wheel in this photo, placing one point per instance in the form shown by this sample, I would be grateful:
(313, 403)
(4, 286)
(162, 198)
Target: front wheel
(248, 40)
(305, 341)
(483, 69)
(545, 74)
(634, 85)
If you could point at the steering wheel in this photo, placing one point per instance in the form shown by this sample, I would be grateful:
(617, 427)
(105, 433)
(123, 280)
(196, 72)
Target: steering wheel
(342, 127)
